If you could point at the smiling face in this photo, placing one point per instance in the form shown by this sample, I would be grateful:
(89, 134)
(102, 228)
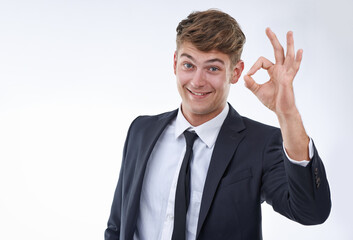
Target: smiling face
(203, 81)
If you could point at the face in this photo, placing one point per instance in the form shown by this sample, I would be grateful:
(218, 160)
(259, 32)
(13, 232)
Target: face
(203, 81)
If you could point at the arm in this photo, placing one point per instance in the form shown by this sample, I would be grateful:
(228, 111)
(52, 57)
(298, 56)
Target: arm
(114, 222)
(300, 193)
(113, 230)
(277, 94)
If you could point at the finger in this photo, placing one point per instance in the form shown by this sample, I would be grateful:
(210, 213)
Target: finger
(277, 47)
(260, 63)
(290, 49)
(251, 84)
(298, 59)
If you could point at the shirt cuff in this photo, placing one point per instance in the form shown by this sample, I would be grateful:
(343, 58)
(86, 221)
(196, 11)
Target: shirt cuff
(302, 163)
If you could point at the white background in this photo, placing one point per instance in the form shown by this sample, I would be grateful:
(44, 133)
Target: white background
(74, 74)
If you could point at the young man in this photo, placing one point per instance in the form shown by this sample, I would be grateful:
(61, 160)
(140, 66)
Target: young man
(211, 187)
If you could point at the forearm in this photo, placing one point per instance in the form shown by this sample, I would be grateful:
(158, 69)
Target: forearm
(300, 193)
(294, 135)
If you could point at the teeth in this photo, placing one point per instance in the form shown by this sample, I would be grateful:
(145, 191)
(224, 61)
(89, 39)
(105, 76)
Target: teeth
(199, 94)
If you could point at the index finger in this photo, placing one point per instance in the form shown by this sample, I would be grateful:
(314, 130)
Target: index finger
(277, 47)
(260, 63)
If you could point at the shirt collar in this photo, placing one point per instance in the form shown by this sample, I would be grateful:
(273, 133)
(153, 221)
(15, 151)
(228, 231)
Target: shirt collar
(207, 131)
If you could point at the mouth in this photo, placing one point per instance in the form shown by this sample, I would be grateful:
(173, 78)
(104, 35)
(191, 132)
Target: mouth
(198, 93)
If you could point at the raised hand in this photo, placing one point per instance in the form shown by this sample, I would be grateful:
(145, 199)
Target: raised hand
(277, 93)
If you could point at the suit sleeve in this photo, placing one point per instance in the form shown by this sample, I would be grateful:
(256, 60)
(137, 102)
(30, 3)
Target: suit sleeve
(113, 230)
(299, 193)
(114, 222)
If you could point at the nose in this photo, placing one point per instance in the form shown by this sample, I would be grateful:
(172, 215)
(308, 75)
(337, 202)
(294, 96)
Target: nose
(198, 79)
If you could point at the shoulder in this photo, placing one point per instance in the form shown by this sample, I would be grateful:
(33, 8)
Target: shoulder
(240, 122)
(146, 123)
(262, 134)
(145, 128)
(253, 124)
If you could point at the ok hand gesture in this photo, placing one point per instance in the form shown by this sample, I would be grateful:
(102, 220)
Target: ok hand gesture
(277, 93)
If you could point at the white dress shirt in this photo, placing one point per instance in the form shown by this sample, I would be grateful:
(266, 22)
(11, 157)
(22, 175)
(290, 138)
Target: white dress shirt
(156, 211)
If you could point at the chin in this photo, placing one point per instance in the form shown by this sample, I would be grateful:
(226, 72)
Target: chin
(201, 110)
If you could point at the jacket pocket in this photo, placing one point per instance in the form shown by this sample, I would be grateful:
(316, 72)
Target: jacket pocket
(235, 177)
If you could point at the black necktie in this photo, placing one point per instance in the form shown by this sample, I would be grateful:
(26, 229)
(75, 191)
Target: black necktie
(182, 195)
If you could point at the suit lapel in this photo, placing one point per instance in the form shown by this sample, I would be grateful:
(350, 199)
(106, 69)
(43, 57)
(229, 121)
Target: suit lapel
(227, 141)
(150, 137)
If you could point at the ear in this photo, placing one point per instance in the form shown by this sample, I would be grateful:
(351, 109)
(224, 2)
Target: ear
(175, 61)
(236, 72)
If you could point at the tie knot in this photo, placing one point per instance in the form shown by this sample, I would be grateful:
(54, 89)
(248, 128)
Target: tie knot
(190, 138)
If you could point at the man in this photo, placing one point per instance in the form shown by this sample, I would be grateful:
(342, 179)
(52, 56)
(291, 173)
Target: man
(232, 164)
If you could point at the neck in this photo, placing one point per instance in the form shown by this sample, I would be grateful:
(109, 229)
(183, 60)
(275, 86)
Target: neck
(196, 119)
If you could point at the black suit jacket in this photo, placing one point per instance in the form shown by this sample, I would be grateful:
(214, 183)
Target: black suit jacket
(248, 166)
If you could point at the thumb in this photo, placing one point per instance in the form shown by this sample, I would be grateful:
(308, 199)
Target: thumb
(251, 84)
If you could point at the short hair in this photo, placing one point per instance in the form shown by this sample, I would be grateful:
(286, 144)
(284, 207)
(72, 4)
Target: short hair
(212, 30)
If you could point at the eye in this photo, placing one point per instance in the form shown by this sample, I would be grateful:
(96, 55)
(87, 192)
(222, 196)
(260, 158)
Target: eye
(188, 65)
(213, 69)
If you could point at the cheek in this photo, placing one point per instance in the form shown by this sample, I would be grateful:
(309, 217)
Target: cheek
(182, 78)
(220, 83)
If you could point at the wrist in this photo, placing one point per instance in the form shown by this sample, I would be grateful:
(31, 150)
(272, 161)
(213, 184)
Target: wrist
(289, 116)
(294, 135)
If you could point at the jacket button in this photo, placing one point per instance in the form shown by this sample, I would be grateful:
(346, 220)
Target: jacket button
(318, 181)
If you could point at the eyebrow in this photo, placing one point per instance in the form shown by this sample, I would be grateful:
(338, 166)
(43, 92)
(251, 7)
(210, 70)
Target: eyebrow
(208, 61)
